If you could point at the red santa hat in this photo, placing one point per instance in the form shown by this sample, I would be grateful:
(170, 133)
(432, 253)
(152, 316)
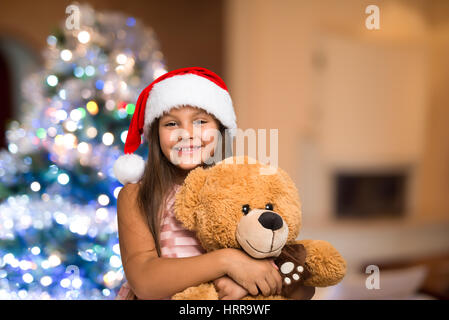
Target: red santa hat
(193, 86)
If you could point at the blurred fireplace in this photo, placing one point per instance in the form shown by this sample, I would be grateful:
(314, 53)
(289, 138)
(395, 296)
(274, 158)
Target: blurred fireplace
(370, 194)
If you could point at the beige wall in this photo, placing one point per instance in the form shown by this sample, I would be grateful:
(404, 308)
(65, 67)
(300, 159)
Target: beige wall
(268, 63)
(268, 55)
(434, 186)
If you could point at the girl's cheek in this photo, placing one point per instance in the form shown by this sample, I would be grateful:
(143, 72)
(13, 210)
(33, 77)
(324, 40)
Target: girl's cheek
(167, 139)
(210, 135)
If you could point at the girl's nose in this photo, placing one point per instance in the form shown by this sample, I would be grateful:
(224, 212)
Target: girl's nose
(191, 131)
(187, 132)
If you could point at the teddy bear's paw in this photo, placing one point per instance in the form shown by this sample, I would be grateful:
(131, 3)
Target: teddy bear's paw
(325, 264)
(291, 272)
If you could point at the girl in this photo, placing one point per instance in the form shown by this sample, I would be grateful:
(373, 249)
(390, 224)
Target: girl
(159, 256)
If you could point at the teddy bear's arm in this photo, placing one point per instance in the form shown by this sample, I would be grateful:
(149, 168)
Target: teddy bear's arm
(325, 264)
(205, 291)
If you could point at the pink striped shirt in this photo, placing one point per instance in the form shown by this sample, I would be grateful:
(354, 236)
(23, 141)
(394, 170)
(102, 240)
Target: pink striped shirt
(175, 241)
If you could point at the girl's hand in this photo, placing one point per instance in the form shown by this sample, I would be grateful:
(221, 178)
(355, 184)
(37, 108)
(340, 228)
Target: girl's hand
(252, 274)
(228, 289)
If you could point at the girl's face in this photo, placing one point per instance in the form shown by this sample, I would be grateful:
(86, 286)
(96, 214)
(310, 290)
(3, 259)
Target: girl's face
(187, 136)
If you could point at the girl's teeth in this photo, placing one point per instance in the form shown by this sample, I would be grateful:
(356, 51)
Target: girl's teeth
(187, 149)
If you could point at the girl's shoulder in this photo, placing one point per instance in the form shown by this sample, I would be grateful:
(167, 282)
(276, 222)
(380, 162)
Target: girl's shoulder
(128, 191)
(131, 187)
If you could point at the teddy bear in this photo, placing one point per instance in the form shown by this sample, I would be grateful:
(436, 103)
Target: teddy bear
(245, 204)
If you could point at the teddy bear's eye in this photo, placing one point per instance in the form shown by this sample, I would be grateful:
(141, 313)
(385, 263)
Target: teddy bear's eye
(269, 206)
(245, 208)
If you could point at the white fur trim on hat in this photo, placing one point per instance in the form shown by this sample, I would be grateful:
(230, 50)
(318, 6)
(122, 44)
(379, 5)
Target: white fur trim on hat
(129, 168)
(194, 90)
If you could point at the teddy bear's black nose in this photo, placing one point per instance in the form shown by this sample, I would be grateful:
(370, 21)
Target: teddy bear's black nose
(270, 220)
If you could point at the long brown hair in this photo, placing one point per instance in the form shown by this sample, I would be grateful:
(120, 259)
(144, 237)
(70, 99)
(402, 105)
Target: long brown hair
(160, 176)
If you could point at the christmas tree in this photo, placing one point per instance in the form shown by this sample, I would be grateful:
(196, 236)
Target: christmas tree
(58, 229)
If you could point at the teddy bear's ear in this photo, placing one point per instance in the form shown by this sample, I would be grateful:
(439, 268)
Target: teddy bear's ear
(187, 199)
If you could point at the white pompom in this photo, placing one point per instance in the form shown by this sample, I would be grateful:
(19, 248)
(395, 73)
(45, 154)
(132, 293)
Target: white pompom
(129, 168)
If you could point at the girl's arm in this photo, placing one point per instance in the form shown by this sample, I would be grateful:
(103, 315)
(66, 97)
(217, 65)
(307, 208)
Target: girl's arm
(152, 277)
(149, 276)
(228, 289)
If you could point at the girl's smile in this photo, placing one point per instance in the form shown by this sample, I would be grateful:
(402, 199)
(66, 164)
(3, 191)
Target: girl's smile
(185, 136)
(188, 149)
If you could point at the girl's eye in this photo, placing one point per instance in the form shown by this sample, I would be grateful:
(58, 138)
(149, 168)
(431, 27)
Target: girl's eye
(245, 209)
(200, 122)
(269, 206)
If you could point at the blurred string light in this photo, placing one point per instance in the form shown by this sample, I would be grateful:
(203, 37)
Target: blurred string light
(130, 22)
(70, 125)
(86, 93)
(110, 105)
(62, 94)
(51, 131)
(66, 55)
(52, 80)
(108, 138)
(130, 108)
(84, 37)
(28, 278)
(116, 249)
(101, 214)
(41, 133)
(89, 71)
(103, 199)
(52, 40)
(69, 140)
(108, 87)
(123, 136)
(76, 114)
(63, 178)
(115, 261)
(78, 72)
(59, 140)
(83, 147)
(99, 84)
(61, 115)
(91, 132)
(117, 191)
(92, 107)
(12, 147)
(35, 186)
(121, 58)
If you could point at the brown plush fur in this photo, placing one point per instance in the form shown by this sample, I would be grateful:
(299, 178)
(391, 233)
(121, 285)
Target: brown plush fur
(210, 203)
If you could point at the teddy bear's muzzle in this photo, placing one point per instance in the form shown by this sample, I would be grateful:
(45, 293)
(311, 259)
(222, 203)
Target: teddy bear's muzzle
(262, 233)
